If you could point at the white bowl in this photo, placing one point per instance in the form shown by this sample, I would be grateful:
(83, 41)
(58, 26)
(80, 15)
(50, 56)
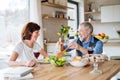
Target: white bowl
(77, 63)
(104, 40)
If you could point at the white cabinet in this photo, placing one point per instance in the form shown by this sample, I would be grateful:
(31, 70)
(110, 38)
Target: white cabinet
(112, 50)
(110, 13)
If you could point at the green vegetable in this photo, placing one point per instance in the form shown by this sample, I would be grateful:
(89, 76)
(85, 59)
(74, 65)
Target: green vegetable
(46, 59)
(57, 61)
(52, 62)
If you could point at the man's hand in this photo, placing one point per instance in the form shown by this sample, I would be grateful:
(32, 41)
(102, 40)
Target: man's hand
(74, 45)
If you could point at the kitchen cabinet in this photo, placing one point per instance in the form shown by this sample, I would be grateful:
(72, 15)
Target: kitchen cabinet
(110, 13)
(112, 50)
(112, 47)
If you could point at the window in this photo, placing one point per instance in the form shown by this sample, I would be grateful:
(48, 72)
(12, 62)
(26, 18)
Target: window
(13, 15)
(73, 14)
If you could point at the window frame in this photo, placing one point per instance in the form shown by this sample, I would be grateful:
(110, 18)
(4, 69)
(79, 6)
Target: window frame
(75, 3)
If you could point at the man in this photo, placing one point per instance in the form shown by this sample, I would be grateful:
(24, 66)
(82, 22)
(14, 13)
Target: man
(85, 40)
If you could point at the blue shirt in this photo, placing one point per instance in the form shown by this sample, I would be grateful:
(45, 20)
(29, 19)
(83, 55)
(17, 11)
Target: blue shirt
(97, 46)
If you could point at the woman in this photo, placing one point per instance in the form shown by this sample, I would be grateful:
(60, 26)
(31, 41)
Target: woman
(23, 54)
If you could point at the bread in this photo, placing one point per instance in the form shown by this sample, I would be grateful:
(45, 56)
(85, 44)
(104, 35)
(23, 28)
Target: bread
(77, 58)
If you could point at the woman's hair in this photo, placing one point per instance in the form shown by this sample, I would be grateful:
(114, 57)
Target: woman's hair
(88, 25)
(28, 29)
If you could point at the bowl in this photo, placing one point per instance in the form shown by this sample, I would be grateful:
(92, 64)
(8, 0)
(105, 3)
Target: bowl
(104, 40)
(77, 63)
(58, 62)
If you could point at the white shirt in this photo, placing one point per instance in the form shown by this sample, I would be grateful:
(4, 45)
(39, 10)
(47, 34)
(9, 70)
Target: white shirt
(25, 52)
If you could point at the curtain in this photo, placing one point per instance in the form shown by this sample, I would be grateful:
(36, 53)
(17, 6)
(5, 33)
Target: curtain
(35, 16)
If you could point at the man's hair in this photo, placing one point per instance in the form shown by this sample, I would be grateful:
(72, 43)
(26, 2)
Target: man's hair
(28, 29)
(88, 25)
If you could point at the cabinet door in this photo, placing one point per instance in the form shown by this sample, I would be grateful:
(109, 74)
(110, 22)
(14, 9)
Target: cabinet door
(116, 13)
(112, 50)
(110, 13)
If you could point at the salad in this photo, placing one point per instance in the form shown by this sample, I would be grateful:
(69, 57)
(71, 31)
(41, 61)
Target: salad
(56, 61)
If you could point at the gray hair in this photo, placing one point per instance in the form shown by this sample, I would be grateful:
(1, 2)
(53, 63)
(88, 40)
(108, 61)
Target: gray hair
(88, 25)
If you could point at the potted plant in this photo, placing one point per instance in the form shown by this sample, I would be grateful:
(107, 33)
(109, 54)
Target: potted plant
(63, 32)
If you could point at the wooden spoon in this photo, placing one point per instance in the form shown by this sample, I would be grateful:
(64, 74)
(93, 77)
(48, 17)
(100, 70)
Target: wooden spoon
(60, 54)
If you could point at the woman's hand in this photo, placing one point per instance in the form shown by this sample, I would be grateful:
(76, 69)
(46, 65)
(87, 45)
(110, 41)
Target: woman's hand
(31, 63)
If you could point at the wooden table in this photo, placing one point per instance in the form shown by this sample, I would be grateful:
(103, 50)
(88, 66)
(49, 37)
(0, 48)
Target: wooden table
(49, 72)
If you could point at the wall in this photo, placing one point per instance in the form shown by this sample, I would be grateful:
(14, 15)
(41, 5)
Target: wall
(51, 27)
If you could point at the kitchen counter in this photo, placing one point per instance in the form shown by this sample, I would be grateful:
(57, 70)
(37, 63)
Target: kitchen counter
(113, 42)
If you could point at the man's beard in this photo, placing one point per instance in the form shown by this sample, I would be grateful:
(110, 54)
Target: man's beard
(82, 38)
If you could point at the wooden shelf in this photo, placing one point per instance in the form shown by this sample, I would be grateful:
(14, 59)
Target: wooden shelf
(56, 5)
(53, 18)
(91, 12)
(95, 21)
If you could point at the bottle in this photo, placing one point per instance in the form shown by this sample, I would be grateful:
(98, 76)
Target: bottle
(71, 33)
(89, 19)
(53, 14)
(61, 46)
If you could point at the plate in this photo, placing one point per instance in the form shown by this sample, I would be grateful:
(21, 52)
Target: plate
(42, 62)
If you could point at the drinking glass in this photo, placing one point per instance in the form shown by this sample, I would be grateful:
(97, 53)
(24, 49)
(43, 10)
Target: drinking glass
(90, 50)
(36, 54)
(95, 64)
